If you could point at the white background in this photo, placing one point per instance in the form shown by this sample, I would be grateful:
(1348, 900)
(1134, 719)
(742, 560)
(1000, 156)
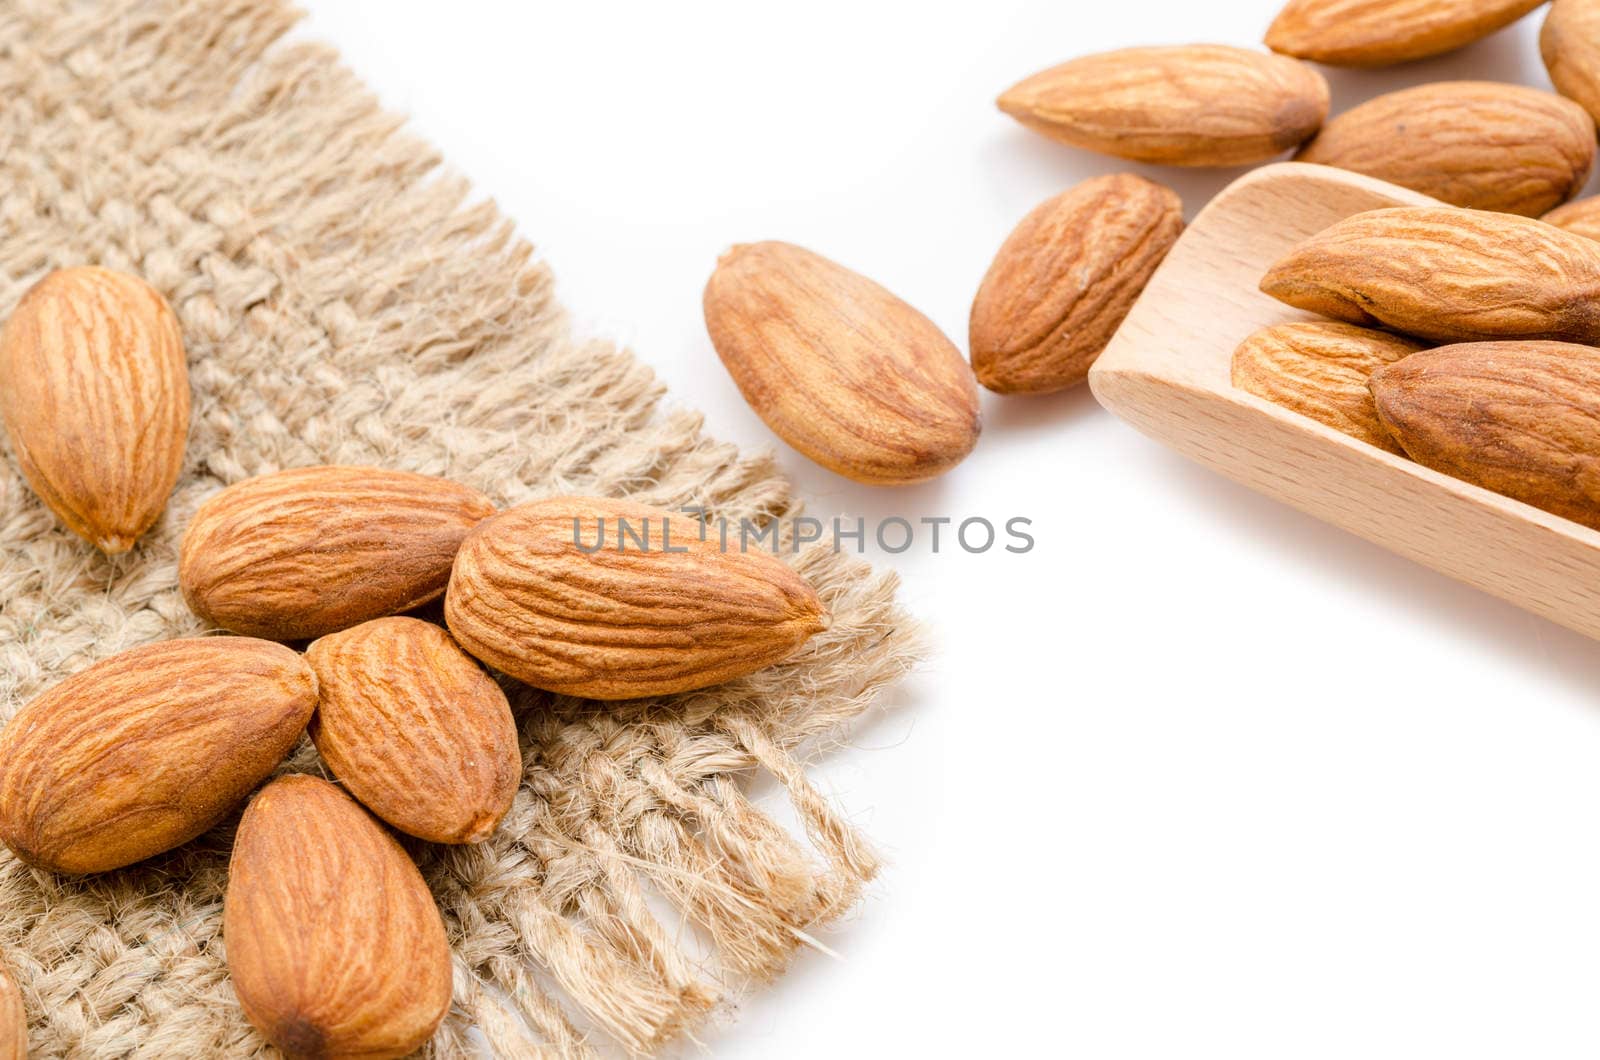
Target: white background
(1199, 776)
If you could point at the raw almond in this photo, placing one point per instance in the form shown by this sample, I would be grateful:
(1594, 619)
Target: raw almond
(557, 594)
(1581, 217)
(1320, 370)
(147, 749)
(1064, 279)
(1382, 32)
(334, 944)
(303, 553)
(1478, 144)
(841, 369)
(1447, 275)
(1519, 418)
(1194, 105)
(13, 1020)
(94, 390)
(415, 729)
(1570, 45)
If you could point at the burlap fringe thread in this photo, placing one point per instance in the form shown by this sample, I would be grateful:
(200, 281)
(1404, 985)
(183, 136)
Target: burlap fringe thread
(343, 301)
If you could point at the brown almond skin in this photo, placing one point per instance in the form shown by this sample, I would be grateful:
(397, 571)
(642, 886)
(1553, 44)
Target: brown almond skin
(13, 1020)
(94, 391)
(1320, 370)
(622, 623)
(1478, 144)
(1064, 280)
(1384, 32)
(1570, 46)
(1519, 418)
(334, 944)
(303, 553)
(1447, 275)
(147, 749)
(415, 729)
(1191, 105)
(848, 374)
(1581, 217)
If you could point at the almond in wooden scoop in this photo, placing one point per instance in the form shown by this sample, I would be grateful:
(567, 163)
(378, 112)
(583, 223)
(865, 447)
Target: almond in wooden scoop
(1448, 275)
(841, 369)
(302, 553)
(543, 592)
(1519, 418)
(1570, 46)
(1581, 217)
(415, 729)
(1320, 370)
(335, 946)
(94, 390)
(147, 749)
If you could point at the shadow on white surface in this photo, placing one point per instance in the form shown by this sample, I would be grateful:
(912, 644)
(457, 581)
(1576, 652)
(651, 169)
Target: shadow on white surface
(1492, 626)
(1061, 412)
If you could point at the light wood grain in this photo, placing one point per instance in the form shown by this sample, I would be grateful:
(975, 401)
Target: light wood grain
(1167, 373)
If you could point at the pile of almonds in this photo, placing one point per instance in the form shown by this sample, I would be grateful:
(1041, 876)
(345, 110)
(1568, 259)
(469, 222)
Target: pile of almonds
(865, 385)
(334, 943)
(1504, 280)
(1511, 402)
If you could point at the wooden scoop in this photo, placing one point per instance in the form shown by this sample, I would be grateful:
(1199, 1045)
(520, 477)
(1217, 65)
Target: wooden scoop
(1167, 373)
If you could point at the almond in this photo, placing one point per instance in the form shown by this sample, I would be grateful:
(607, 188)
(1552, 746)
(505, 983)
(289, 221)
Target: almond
(1519, 418)
(611, 599)
(147, 749)
(1447, 275)
(334, 944)
(415, 729)
(13, 1020)
(94, 390)
(299, 554)
(1570, 45)
(1320, 371)
(1194, 105)
(1382, 32)
(1064, 279)
(841, 369)
(1478, 144)
(1581, 217)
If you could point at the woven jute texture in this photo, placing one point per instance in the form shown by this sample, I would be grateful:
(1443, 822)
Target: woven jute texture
(345, 301)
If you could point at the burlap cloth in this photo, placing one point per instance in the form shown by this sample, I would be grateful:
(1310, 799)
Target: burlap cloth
(344, 301)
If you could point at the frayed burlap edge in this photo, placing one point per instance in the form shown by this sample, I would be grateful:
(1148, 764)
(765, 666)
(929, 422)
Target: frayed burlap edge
(344, 301)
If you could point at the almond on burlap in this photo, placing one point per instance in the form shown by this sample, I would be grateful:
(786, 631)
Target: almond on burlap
(609, 599)
(13, 1019)
(148, 748)
(309, 551)
(415, 729)
(94, 391)
(334, 944)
